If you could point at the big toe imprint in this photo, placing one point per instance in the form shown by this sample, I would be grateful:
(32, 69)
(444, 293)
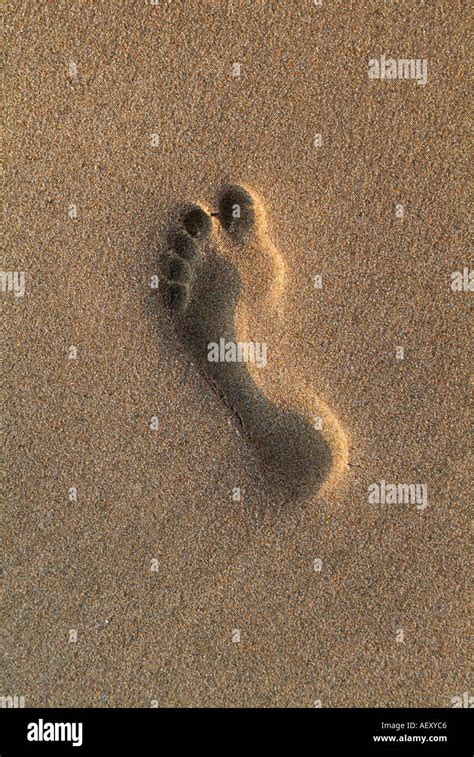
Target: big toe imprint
(201, 288)
(237, 212)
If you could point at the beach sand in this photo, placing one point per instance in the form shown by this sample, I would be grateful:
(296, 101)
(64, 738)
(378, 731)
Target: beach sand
(135, 575)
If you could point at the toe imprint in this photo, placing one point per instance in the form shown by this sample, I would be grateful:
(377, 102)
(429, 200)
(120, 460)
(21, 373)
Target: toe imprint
(237, 212)
(184, 246)
(174, 268)
(175, 296)
(197, 222)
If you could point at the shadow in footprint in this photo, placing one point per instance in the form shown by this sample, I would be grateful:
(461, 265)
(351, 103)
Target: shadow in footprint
(202, 290)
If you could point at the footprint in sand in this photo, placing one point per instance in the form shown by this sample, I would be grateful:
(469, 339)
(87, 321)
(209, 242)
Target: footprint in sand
(202, 288)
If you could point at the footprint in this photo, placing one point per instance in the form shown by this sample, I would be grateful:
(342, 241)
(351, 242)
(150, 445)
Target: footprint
(202, 288)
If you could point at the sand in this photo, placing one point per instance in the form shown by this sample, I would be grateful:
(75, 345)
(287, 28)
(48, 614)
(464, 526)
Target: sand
(134, 573)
